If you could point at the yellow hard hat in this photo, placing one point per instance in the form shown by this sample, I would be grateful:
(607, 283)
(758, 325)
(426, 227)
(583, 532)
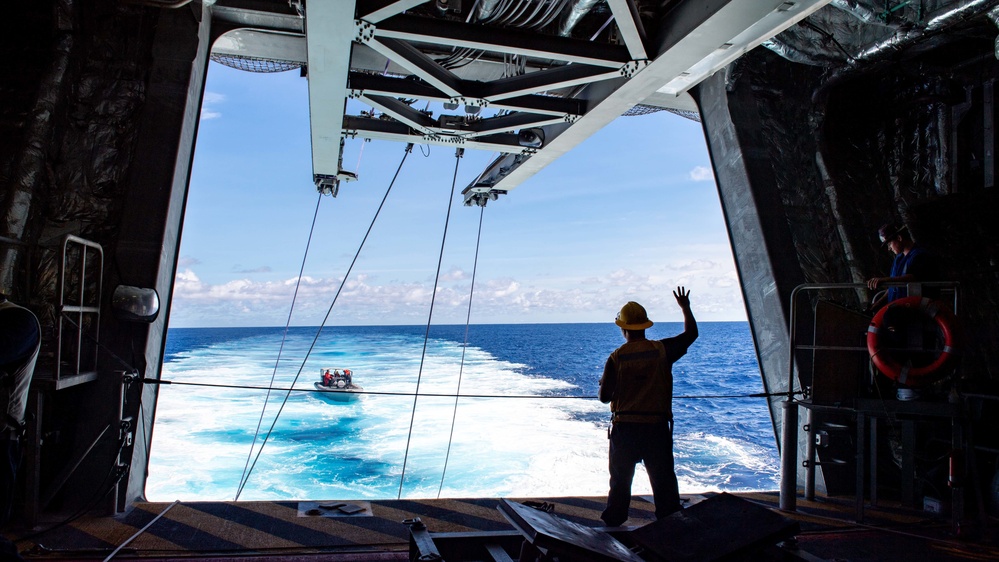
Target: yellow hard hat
(633, 317)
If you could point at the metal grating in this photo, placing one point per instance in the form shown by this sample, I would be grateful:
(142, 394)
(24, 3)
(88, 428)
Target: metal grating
(253, 64)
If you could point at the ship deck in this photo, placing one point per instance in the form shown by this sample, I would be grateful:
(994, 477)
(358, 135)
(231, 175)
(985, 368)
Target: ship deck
(299, 530)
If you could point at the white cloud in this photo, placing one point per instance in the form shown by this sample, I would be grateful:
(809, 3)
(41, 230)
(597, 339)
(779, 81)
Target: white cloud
(208, 103)
(363, 300)
(701, 173)
(455, 274)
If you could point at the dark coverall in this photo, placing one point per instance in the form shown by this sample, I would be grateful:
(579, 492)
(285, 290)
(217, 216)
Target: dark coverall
(638, 377)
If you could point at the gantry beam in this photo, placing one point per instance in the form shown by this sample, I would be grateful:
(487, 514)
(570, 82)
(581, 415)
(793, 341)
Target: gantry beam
(502, 40)
(372, 84)
(381, 129)
(696, 35)
(329, 31)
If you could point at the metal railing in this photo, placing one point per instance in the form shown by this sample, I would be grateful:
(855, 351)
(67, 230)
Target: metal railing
(790, 415)
(79, 308)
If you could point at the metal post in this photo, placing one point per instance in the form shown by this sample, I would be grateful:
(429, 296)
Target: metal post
(789, 456)
(789, 424)
(810, 455)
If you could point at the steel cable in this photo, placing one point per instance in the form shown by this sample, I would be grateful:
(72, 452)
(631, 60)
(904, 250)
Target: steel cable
(447, 395)
(284, 338)
(407, 150)
(426, 336)
(464, 346)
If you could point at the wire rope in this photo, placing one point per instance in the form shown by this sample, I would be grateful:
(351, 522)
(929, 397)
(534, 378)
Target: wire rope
(461, 366)
(91, 503)
(406, 152)
(284, 338)
(426, 336)
(140, 531)
(448, 395)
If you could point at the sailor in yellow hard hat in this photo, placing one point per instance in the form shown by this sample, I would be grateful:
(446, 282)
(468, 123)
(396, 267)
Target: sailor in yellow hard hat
(638, 383)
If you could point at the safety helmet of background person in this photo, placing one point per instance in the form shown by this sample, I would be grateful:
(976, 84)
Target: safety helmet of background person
(633, 317)
(889, 231)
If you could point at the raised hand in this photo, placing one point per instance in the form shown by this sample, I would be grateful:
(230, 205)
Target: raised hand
(682, 297)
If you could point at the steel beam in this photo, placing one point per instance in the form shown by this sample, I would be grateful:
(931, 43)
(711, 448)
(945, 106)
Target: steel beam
(412, 59)
(374, 11)
(783, 16)
(507, 123)
(553, 79)
(329, 28)
(234, 14)
(690, 34)
(370, 84)
(378, 129)
(512, 41)
(629, 24)
(402, 113)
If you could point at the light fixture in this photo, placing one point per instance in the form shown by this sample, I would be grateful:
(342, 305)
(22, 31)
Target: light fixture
(531, 138)
(135, 304)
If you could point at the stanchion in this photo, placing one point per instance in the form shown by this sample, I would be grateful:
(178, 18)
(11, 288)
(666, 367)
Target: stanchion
(789, 456)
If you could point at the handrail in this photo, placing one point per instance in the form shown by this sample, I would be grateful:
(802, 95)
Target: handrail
(789, 429)
(79, 309)
(827, 286)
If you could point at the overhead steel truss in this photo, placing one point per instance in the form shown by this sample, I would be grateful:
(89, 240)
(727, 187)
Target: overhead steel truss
(529, 96)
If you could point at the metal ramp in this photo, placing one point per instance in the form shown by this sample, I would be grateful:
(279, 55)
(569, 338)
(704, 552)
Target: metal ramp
(722, 527)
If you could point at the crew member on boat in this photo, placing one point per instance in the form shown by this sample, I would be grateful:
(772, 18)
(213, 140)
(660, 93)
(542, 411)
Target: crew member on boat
(327, 378)
(638, 383)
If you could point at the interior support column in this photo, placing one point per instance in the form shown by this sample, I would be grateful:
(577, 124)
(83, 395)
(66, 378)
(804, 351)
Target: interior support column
(765, 256)
(153, 214)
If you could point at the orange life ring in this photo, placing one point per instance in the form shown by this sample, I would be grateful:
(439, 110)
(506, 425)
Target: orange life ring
(892, 366)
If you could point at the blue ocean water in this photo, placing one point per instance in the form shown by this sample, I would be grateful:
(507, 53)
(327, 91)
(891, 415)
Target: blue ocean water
(503, 442)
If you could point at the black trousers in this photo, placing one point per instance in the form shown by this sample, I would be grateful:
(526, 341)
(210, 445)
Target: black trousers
(631, 443)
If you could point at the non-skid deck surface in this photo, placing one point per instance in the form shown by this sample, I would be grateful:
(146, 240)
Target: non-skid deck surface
(272, 527)
(293, 530)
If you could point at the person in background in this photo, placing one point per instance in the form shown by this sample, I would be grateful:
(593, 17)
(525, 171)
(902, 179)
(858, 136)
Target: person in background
(20, 340)
(912, 263)
(638, 383)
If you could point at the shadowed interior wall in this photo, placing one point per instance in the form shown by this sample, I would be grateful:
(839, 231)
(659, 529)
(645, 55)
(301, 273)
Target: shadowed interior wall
(810, 161)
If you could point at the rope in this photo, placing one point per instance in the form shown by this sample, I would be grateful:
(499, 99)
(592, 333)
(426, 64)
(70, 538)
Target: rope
(426, 336)
(140, 531)
(284, 337)
(446, 395)
(461, 366)
(94, 500)
(407, 150)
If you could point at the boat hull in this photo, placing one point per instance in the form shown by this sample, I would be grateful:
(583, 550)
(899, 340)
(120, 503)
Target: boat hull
(333, 394)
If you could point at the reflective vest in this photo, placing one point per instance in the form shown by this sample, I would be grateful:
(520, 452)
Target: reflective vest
(643, 391)
(15, 379)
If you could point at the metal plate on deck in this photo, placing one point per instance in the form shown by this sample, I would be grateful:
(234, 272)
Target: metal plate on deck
(718, 527)
(334, 509)
(549, 532)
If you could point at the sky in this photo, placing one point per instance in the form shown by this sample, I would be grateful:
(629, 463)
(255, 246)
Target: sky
(629, 214)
